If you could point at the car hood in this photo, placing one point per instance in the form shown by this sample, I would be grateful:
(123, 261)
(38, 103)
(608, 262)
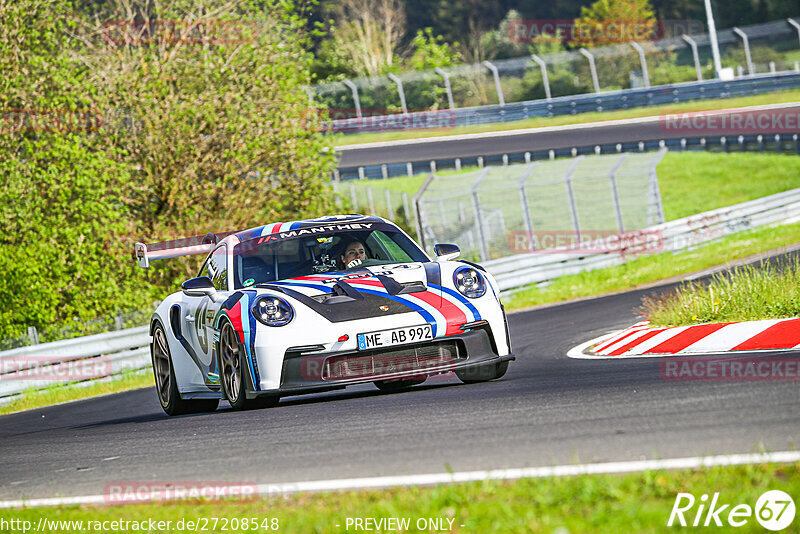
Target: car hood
(390, 280)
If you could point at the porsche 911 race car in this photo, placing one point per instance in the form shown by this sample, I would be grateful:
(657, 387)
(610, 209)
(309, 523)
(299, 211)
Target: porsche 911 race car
(315, 305)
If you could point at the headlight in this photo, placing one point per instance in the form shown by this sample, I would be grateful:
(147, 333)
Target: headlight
(469, 282)
(272, 311)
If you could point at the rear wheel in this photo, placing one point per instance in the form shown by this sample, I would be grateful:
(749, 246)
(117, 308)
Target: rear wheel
(166, 385)
(482, 373)
(397, 385)
(232, 375)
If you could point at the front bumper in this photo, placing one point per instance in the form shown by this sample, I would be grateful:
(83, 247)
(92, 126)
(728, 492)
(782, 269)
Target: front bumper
(313, 372)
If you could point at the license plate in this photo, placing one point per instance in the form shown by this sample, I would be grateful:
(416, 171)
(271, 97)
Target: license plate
(395, 336)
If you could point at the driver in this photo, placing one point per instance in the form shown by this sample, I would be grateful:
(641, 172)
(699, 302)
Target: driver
(354, 254)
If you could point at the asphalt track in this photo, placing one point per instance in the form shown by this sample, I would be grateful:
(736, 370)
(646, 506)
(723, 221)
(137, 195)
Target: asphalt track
(513, 143)
(549, 409)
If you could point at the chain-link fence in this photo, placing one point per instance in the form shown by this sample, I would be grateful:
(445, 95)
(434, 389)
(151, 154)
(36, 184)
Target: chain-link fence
(498, 211)
(756, 49)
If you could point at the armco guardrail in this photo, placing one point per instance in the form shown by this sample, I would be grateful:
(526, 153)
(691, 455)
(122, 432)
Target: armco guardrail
(73, 360)
(519, 270)
(570, 105)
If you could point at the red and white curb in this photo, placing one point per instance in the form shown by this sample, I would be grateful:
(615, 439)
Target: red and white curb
(642, 340)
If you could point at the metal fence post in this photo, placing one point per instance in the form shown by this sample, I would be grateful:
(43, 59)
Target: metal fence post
(33, 335)
(654, 185)
(441, 72)
(592, 67)
(526, 211)
(746, 42)
(573, 209)
(399, 83)
(476, 204)
(389, 209)
(695, 55)
(614, 193)
(409, 169)
(371, 201)
(545, 80)
(491, 66)
(418, 211)
(406, 208)
(118, 322)
(309, 92)
(354, 90)
(636, 46)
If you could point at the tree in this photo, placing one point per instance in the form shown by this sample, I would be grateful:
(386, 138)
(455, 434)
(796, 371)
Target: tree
(366, 35)
(615, 21)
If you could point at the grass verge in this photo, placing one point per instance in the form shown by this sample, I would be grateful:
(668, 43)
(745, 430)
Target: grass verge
(654, 267)
(745, 294)
(55, 394)
(539, 122)
(635, 502)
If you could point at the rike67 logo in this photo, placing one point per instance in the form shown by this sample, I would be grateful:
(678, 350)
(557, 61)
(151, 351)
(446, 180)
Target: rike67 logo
(774, 510)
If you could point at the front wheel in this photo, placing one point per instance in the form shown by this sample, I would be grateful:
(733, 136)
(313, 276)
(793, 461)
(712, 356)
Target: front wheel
(232, 374)
(482, 373)
(166, 385)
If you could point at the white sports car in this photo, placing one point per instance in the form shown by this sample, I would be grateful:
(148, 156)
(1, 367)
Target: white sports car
(299, 307)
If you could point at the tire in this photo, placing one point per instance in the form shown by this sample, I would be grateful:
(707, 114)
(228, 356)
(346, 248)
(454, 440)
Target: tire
(231, 365)
(482, 373)
(397, 385)
(166, 386)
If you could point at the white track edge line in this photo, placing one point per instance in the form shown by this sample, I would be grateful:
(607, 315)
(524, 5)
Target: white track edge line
(564, 127)
(468, 476)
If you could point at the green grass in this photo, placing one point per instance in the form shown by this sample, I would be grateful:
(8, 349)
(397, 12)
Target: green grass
(746, 294)
(693, 182)
(636, 502)
(700, 105)
(654, 267)
(56, 394)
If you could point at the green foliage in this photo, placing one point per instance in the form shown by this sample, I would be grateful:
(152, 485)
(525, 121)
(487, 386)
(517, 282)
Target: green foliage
(431, 51)
(62, 208)
(497, 43)
(203, 128)
(598, 18)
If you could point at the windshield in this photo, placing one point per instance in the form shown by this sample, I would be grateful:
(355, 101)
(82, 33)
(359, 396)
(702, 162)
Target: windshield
(281, 256)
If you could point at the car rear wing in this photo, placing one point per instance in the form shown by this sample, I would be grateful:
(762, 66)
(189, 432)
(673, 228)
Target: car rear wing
(188, 246)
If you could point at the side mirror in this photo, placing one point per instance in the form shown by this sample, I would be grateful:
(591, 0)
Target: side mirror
(446, 251)
(198, 287)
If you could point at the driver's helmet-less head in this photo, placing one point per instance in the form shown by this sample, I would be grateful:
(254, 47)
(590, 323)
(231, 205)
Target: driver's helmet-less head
(353, 254)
